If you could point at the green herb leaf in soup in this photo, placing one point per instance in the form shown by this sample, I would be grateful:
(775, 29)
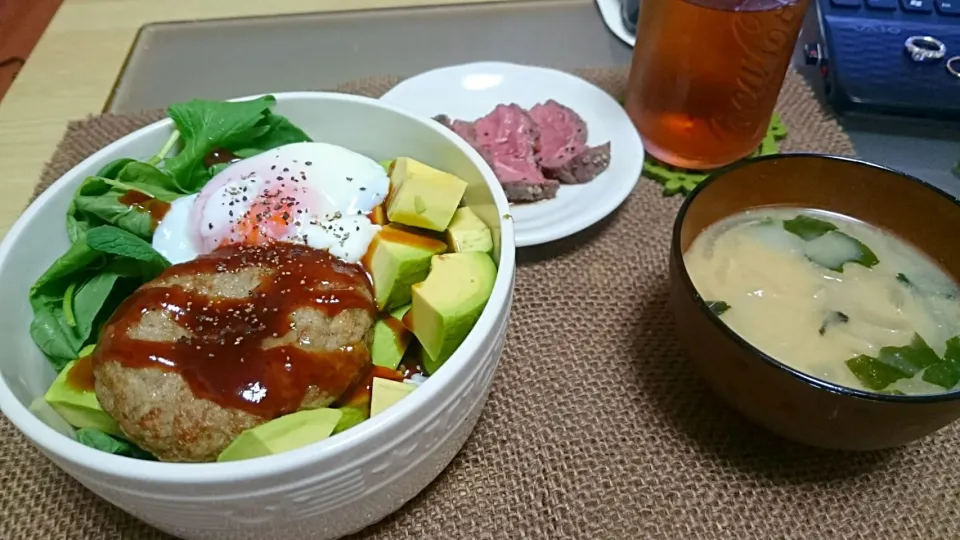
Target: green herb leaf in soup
(807, 227)
(910, 358)
(874, 374)
(832, 319)
(895, 363)
(827, 246)
(718, 308)
(942, 374)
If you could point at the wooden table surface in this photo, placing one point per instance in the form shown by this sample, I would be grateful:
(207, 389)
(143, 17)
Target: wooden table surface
(74, 65)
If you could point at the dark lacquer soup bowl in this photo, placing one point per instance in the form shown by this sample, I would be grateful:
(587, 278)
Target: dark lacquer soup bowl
(787, 401)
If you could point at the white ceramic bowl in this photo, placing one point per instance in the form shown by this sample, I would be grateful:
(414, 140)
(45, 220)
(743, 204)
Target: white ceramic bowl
(322, 491)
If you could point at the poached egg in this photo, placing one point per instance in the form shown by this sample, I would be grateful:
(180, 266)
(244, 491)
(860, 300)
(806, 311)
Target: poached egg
(309, 193)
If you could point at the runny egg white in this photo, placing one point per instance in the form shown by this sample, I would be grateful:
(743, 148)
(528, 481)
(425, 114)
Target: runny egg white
(311, 193)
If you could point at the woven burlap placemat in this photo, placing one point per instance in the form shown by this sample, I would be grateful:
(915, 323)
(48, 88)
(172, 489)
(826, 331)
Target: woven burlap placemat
(596, 426)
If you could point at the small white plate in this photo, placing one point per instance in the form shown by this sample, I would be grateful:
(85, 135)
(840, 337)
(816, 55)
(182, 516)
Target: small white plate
(470, 91)
(610, 11)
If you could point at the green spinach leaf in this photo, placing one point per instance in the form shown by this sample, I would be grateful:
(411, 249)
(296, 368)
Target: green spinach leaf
(280, 131)
(90, 300)
(112, 169)
(148, 180)
(66, 269)
(94, 438)
(98, 201)
(49, 331)
(96, 266)
(217, 169)
(115, 241)
(207, 125)
(246, 128)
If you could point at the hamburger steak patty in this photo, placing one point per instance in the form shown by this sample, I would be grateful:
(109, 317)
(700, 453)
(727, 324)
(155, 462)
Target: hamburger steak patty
(221, 344)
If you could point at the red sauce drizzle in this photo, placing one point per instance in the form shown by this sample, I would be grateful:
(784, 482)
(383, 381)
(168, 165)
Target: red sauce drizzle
(80, 376)
(145, 203)
(223, 360)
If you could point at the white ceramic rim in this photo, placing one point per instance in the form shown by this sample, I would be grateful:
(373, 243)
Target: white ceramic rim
(595, 210)
(610, 13)
(352, 440)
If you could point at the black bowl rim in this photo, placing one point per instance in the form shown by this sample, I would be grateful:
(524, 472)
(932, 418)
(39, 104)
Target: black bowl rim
(717, 321)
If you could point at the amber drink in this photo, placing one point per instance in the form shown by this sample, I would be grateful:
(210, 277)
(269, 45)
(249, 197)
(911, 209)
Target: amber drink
(706, 75)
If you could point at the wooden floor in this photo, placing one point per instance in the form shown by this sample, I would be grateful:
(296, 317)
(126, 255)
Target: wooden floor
(21, 24)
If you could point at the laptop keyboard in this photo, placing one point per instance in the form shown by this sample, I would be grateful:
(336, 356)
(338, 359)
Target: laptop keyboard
(948, 8)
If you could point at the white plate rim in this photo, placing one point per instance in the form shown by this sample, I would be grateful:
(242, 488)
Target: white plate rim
(605, 206)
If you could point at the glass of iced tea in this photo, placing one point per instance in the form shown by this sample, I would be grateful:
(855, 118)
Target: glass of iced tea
(706, 75)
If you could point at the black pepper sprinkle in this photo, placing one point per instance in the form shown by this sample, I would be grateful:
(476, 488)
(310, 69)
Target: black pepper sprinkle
(210, 226)
(349, 179)
(308, 163)
(362, 188)
(286, 169)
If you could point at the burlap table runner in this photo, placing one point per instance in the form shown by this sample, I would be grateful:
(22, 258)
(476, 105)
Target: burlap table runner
(596, 426)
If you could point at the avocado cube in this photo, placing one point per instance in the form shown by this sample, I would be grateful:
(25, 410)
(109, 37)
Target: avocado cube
(467, 232)
(447, 304)
(79, 406)
(352, 415)
(396, 260)
(282, 434)
(386, 393)
(390, 339)
(421, 196)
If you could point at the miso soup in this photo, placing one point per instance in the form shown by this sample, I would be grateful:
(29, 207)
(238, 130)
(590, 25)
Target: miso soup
(833, 297)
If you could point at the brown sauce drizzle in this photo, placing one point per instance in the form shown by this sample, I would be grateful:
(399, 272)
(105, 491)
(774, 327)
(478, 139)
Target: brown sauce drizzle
(222, 360)
(399, 235)
(407, 320)
(147, 204)
(400, 332)
(409, 366)
(218, 156)
(80, 376)
(378, 216)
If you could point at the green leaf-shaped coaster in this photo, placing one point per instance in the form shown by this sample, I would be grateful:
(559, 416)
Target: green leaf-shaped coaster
(676, 180)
